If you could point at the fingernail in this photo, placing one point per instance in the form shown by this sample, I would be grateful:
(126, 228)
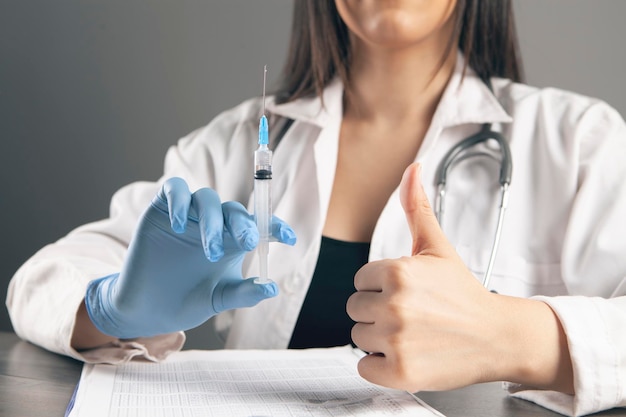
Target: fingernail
(250, 239)
(178, 225)
(215, 251)
(287, 236)
(271, 289)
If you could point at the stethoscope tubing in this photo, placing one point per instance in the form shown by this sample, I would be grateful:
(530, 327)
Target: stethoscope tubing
(458, 153)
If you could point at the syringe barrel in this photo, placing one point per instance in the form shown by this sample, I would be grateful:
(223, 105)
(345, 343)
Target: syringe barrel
(263, 163)
(263, 208)
(263, 191)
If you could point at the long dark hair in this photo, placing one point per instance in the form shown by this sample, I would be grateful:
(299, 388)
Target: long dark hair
(320, 48)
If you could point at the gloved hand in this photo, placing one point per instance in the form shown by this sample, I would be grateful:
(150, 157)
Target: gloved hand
(183, 266)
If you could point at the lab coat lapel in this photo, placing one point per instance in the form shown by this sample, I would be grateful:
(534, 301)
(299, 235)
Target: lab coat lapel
(465, 100)
(466, 104)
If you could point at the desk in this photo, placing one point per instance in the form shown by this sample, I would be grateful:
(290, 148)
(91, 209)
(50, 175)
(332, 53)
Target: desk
(33, 381)
(37, 383)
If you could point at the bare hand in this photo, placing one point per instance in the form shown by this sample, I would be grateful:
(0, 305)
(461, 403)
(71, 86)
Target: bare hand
(430, 325)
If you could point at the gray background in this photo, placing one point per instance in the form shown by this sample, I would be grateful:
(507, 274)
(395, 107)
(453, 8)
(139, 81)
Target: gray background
(92, 92)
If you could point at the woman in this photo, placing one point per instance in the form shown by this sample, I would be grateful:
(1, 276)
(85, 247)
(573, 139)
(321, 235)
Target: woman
(372, 87)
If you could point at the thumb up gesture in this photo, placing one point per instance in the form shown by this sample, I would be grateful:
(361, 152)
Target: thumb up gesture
(428, 324)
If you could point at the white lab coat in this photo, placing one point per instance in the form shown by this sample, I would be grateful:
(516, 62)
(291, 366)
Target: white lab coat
(563, 236)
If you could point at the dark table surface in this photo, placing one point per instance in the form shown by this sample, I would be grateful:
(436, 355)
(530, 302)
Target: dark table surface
(37, 383)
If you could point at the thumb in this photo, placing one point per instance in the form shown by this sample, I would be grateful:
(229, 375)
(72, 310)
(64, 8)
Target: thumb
(428, 238)
(237, 293)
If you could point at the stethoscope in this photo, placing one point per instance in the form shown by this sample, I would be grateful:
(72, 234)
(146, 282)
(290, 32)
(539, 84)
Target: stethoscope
(455, 155)
(459, 153)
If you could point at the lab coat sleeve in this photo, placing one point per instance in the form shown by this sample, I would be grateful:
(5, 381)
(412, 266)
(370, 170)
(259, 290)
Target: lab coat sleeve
(593, 265)
(46, 292)
(597, 345)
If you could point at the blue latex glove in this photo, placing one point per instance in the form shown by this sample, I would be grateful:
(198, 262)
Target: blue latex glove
(183, 266)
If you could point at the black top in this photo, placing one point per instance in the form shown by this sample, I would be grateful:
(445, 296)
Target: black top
(323, 321)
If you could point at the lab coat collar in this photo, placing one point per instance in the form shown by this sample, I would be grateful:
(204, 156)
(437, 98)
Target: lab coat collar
(315, 110)
(466, 99)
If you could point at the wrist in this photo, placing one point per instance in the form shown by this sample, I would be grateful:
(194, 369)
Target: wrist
(534, 346)
(100, 309)
(85, 334)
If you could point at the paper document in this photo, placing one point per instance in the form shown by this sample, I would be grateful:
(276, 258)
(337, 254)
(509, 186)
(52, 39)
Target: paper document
(232, 383)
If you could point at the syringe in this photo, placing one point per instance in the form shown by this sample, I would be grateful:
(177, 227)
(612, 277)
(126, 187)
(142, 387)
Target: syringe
(263, 192)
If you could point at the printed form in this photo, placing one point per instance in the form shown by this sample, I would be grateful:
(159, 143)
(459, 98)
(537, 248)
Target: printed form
(308, 382)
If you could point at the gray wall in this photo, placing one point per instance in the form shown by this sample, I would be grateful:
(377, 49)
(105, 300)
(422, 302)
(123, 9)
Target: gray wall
(577, 45)
(93, 92)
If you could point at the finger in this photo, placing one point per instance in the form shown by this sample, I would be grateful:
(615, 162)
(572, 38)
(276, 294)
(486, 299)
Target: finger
(373, 368)
(208, 206)
(361, 306)
(364, 337)
(230, 294)
(370, 276)
(282, 232)
(240, 225)
(176, 193)
(428, 238)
